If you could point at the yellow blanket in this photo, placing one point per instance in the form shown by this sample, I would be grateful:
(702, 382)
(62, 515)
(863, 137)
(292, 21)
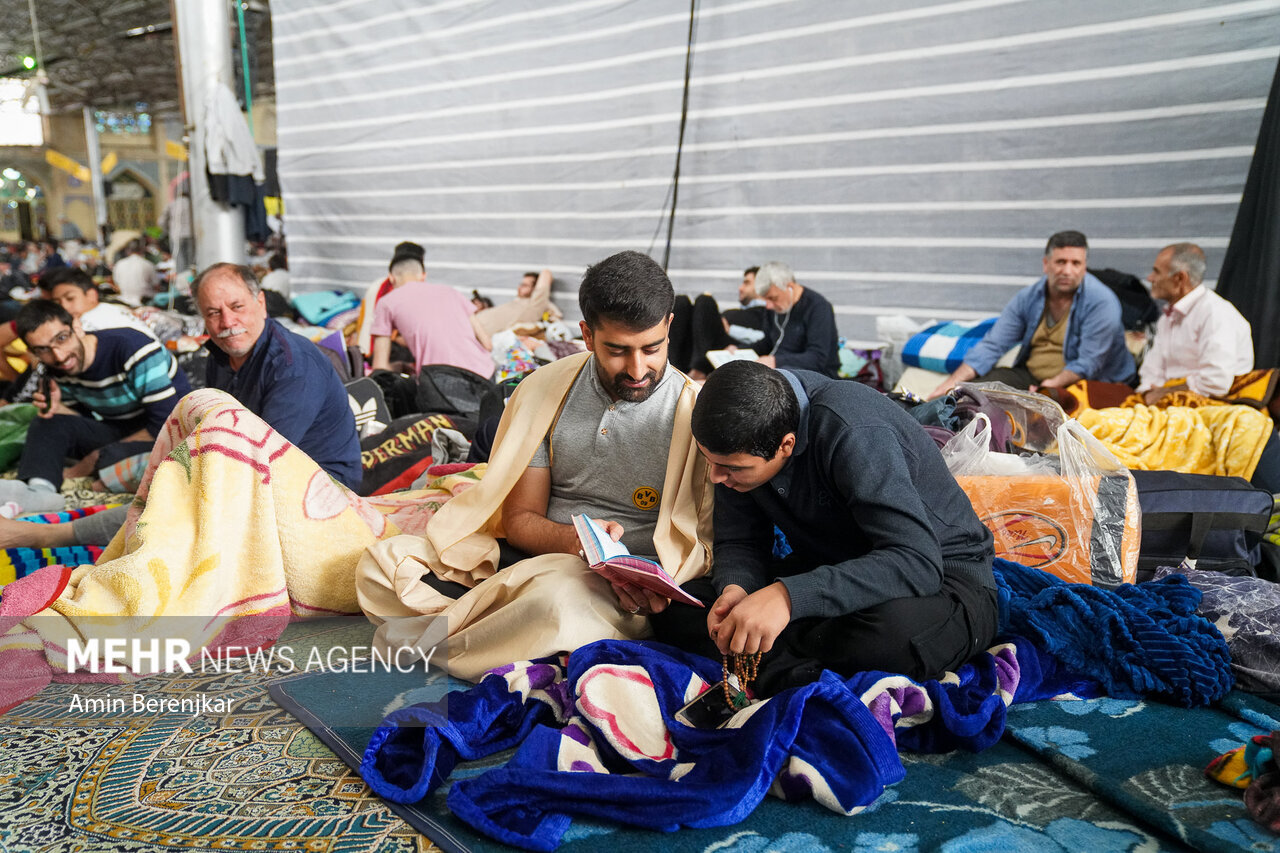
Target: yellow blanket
(539, 606)
(1221, 440)
(235, 532)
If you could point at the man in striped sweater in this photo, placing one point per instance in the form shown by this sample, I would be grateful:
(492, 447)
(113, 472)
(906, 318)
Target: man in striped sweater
(107, 388)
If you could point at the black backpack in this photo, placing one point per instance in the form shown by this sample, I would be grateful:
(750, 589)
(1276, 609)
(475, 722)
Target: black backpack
(1137, 308)
(448, 390)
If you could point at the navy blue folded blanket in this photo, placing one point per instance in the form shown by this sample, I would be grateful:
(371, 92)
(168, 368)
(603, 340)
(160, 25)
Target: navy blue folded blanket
(1134, 640)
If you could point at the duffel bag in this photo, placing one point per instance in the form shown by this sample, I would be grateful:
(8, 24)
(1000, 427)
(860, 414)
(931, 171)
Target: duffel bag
(1210, 523)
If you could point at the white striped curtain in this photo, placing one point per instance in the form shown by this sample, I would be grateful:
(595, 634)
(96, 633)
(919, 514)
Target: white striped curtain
(902, 157)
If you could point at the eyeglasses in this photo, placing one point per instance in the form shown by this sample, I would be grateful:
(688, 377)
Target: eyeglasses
(58, 340)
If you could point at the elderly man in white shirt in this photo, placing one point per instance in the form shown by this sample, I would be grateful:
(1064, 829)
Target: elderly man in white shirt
(1201, 339)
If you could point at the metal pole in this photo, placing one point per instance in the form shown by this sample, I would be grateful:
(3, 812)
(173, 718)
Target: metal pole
(244, 59)
(95, 172)
(204, 33)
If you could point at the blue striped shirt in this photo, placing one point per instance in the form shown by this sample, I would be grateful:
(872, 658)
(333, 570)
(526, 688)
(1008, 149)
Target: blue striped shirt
(132, 375)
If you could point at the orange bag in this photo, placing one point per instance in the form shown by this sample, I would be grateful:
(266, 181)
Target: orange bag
(1084, 529)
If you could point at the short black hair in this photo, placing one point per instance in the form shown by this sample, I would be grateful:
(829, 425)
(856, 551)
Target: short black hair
(629, 289)
(407, 250)
(36, 313)
(745, 407)
(1066, 240)
(750, 271)
(278, 261)
(67, 275)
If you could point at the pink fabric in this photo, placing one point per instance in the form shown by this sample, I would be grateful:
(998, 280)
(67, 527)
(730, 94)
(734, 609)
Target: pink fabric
(435, 321)
(25, 671)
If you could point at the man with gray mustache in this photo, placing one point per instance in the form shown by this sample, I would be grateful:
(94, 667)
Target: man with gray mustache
(277, 374)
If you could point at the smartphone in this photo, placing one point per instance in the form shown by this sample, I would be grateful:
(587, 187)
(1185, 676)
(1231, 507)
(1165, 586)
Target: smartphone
(709, 710)
(46, 388)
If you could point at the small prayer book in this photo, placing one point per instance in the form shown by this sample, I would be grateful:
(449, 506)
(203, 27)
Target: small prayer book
(614, 562)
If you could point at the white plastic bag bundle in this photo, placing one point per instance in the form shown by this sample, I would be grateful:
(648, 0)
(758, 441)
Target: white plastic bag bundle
(969, 453)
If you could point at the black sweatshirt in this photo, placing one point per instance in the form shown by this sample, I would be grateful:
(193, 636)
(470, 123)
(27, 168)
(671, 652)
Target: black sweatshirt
(867, 505)
(808, 336)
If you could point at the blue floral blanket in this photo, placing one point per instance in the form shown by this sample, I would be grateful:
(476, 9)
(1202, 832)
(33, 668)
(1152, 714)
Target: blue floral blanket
(596, 734)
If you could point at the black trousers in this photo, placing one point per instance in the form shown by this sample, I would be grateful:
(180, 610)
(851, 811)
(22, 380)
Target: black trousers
(920, 637)
(50, 441)
(696, 328)
(1014, 377)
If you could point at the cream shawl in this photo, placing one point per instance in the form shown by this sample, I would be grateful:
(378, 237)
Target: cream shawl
(543, 605)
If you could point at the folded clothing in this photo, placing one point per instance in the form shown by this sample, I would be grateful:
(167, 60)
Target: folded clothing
(320, 307)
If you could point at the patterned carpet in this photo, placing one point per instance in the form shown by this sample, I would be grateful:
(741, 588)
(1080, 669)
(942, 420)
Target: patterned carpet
(1101, 775)
(75, 779)
(79, 492)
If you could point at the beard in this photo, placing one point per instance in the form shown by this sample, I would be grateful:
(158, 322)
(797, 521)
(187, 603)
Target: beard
(78, 352)
(636, 395)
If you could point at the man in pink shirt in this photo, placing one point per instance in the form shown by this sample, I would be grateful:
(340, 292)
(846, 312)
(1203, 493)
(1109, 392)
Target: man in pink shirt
(435, 321)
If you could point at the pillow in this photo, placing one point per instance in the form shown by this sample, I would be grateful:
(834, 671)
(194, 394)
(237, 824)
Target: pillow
(942, 347)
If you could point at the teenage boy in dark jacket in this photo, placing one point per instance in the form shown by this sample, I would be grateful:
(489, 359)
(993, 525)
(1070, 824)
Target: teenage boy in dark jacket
(890, 568)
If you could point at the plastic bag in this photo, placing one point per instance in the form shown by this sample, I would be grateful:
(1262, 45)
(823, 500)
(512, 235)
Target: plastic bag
(1075, 514)
(895, 330)
(1034, 418)
(970, 453)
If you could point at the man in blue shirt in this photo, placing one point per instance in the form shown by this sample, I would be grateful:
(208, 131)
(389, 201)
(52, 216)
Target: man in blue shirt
(278, 375)
(122, 378)
(1067, 327)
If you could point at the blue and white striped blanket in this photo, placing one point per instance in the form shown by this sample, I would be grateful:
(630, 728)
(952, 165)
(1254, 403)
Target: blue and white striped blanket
(942, 347)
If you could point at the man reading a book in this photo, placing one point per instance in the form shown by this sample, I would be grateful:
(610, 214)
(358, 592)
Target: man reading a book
(889, 567)
(605, 434)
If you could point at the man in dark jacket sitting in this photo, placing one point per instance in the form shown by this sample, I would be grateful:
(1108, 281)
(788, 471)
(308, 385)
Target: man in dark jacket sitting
(801, 333)
(277, 374)
(890, 569)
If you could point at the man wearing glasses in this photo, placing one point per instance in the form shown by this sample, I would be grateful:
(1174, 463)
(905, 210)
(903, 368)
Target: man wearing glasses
(121, 383)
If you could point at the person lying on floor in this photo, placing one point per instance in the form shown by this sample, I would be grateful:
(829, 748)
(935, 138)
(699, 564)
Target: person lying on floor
(604, 433)
(533, 300)
(890, 568)
(122, 382)
(277, 374)
(96, 529)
